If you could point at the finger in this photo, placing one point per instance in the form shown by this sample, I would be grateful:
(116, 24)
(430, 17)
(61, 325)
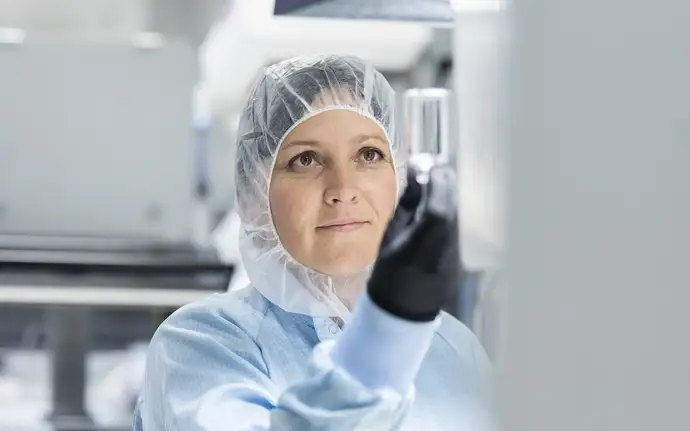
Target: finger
(420, 240)
(430, 241)
(404, 213)
(441, 192)
(435, 232)
(413, 191)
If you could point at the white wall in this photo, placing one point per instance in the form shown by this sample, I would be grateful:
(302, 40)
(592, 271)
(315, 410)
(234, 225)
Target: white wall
(597, 326)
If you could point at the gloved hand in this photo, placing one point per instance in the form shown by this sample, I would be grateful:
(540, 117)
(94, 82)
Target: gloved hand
(419, 259)
(392, 327)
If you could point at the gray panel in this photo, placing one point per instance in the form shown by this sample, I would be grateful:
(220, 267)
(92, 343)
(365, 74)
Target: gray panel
(595, 324)
(97, 19)
(436, 11)
(110, 20)
(95, 141)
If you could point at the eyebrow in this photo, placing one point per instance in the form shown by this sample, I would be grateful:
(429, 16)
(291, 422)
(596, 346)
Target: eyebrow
(300, 144)
(361, 138)
(314, 143)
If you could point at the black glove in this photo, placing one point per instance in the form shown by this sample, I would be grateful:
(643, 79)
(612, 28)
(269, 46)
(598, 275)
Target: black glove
(417, 268)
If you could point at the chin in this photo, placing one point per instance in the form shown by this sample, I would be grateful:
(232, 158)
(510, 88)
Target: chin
(343, 266)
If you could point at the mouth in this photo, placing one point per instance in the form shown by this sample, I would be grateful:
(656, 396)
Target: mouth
(342, 226)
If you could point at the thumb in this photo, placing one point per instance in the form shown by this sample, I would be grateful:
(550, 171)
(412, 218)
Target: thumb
(404, 212)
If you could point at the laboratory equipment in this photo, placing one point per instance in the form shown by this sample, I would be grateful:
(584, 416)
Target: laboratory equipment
(250, 37)
(72, 284)
(109, 21)
(203, 219)
(97, 172)
(430, 11)
(427, 128)
(114, 79)
(418, 264)
(481, 60)
(115, 114)
(427, 136)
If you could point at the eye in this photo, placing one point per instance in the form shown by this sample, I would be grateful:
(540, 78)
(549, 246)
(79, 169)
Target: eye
(303, 160)
(371, 155)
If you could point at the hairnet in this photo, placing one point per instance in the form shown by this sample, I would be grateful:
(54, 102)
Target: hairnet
(283, 98)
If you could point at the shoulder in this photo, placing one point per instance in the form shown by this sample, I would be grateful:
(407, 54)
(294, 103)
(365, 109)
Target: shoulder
(219, 332)
(237, 314)
(202, 347)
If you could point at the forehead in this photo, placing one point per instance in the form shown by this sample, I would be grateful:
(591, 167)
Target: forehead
(335, 125)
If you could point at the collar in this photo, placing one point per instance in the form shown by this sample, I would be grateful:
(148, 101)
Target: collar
(327, 328)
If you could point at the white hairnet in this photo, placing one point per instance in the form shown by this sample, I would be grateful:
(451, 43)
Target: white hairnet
(283, 98)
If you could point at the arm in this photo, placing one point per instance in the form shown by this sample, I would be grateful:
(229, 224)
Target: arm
(394, 322)
(383, 350)
(205, 373)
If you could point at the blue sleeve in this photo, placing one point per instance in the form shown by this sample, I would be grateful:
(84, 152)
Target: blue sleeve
(382, 350)
(205, 373)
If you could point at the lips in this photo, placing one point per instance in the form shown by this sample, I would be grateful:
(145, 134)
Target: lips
(342, 225)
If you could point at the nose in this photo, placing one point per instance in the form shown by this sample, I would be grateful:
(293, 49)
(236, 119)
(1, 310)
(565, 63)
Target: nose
(341, 187)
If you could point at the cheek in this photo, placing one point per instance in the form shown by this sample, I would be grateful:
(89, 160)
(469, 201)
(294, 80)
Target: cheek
(382, 196)
(289, 210)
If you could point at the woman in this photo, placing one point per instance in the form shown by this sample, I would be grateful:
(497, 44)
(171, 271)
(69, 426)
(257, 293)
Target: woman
(318, 179)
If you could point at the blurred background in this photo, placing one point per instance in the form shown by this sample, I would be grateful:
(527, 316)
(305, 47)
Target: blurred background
(117, 129)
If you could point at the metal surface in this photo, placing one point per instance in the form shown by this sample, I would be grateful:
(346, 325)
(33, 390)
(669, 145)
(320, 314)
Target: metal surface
(433, 11)
(78, 285)
(427, 116)
(480, 67)
(427, 136)
(114, 114)
(143, 297)
(25, 391)
(126, 262)
(109, 20)
(481, 46)
(68, 338)
(109, 279)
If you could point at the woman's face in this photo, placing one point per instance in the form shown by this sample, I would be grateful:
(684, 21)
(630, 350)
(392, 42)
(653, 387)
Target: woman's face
(333, 191)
